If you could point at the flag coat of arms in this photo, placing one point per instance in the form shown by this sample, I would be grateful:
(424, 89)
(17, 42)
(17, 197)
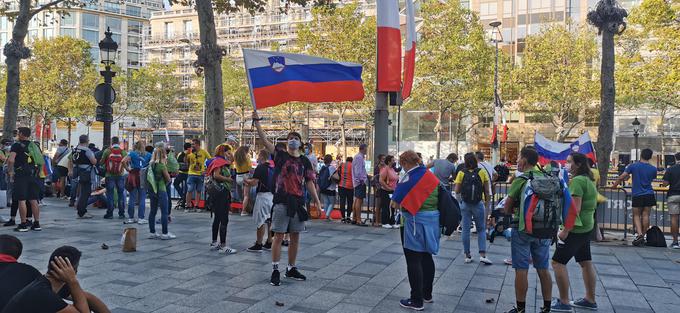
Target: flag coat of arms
(415, 188)
(276, 78)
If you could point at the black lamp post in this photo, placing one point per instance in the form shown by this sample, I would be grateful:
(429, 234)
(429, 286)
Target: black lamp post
(636, 134)
(133, 132)
(104, 93)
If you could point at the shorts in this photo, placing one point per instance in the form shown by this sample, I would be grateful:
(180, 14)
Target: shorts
(644, 201)
(262, 208)
(360, 191)
(674, 205)
(576, 245)
(26, 188)
(282, 223)
(525, 248)
(61, 171)
(195, 183)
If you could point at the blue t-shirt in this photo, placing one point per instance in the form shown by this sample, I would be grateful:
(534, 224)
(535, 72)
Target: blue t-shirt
(643, 175)
(137, 161)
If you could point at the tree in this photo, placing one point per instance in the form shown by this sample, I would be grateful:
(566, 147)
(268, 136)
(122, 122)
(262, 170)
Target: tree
(59, 66)
(21, 12)
(455, 65)
(236, 96)
(556, 77)
(608, 17)
(343, 34)
(155, 91)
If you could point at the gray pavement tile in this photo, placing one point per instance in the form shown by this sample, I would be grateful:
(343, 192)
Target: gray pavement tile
(173, 308)
(659, 295)
(224, 306)
(349, 308)
(321, 300)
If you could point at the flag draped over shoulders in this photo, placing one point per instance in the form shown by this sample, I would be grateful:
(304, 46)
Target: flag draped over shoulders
(415, 188)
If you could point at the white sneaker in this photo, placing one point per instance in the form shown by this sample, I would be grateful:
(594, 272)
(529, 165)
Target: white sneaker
(129, 221)
(214, 246)
(142, 222)
(168, 236)
(244, 213)
(388, 226)
(154, 236)
(468, 259)
(485, 260)
(226, 250)
(473, 229)
(396, 226)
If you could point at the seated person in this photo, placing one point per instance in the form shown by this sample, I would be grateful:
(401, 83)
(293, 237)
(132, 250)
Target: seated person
(14, 276)
(499, 223)
(46, 293)
(98, 195)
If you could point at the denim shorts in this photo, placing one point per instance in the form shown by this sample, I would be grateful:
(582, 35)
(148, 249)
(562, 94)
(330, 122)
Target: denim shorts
(526, 248)
(195, 183)
(360, 191)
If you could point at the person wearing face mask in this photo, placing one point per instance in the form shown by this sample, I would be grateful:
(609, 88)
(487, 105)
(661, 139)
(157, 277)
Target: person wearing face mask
(292, 173)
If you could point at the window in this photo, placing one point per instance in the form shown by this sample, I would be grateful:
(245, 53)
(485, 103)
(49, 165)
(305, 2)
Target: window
(521, 31)
(48, 33)
(34, 23)
(114, 24)
(134, 42)
(91, 36)
(168, 55)
(537, 118)
(488, 10)
(188, 27)
(90, 20)
(522, 6)
(133, 58)
(70, 32)
(3, 39)
(32, 35)
(116, 38)
(68, 20)
(112, 7)
(3, 23)
(507, 35)
(133, 10)
(168, 30)
(508, 8)
(94, 53)
(134, 27)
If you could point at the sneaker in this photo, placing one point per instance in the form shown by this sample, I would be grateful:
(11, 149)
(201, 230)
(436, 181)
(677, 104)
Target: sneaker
(142, 221)
(29, 223)
(10, 223)
(408, 304)
(507, 261)
(129, 221)
(473, 229)
(36, 226)
(214, 246)
(154, 236)
(387, 226)
(485, 260)
(558, 306)
(276, 278)
(267, 246)
(71, 204)
(108, 216)
(244, 213)
(584, 304)
(22, 228)
(515, 310)
(468, 259)
(545, 309)
(85, 216)
(639, 241)
(227, 250)
(284, 243)
(168, 236)
(396, 226)
(428, 300)
(255, 248)
(295, 274)
(675, 245)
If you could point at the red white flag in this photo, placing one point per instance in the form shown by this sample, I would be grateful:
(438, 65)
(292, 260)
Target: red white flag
(410, 48)
(389, 46)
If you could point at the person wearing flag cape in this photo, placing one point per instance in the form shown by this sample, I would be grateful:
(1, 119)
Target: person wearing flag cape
(417, 197)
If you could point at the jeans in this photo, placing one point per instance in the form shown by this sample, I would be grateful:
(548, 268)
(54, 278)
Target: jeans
(220, 204)
(137, 195)
(93, 199)
(328, 202)
(83, 196)
(158, 199)
(117, 183)
(420, 268)
(386, 215)
(180, 185)
(346, 198)
(476, 211)
(74, 190)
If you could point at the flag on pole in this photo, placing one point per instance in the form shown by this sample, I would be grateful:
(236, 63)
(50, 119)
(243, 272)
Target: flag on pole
(275, 78)
(549, 150)
(410, 48)
(389, 46)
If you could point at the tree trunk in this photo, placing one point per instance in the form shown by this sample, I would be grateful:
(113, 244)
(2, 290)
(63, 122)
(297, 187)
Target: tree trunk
(210, 58)
(457, 133)
(607, 94)
(241, 127)
(68, 127)
(438, 132)
(14, 52)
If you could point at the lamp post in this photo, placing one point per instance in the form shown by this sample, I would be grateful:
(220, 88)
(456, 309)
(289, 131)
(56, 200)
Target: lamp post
(133, 132)
(496, 34)
(104, 93)
(636, 134)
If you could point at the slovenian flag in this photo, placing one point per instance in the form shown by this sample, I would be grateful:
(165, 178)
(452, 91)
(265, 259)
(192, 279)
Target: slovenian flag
(569, 212)
(389, 46)
(410, 48)
(416, 187)
(276, 78)
(549, 150)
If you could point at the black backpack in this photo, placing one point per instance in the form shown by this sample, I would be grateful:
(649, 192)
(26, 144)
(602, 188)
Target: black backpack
(655, 237)
(449, 211)
(324, 178)
(472, 187)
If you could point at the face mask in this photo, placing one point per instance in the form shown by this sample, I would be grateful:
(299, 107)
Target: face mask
(294, 144)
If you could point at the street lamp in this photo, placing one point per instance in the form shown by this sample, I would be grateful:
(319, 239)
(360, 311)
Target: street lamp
(104, 93)
(497, 37)
(636, 134)
(133, 132)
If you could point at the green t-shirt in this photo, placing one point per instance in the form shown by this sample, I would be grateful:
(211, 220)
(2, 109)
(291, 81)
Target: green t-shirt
(581, 186)
(105, 156)
(515, 192)
(158, 169)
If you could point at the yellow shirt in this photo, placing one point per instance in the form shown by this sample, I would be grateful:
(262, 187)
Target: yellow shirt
(243, 168)
(596, 175)
(482, 175)
(197, 162)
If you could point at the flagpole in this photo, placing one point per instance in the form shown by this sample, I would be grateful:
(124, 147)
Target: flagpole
(250, 83)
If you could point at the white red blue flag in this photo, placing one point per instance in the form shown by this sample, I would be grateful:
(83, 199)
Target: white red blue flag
(276, 78)
(410, 48)
(549, 150)
(389, 46)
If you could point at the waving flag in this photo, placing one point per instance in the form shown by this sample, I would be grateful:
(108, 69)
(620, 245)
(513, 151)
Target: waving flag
(415, 189)
(549, 150)
(389, 46)
(410, 48)
(277, 78)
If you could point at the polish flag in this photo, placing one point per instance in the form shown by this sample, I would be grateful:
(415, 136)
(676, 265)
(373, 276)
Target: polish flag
(389, 46)
(410, 48)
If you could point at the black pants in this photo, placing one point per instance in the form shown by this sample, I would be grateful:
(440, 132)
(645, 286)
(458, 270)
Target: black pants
(84, 193)
(420, 267)
(386, 216)
(180, 183)
(346, 198)
(168, 188)
(220, 205)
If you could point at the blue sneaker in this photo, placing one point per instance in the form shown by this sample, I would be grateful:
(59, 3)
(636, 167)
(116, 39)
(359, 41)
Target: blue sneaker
(583, 304)
(558, 306)
(408, 304)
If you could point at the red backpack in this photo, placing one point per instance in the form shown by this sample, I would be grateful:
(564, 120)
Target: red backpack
(113, 162)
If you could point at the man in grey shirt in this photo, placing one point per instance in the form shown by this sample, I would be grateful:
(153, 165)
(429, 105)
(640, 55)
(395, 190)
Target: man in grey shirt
(445, 169)
(82, 164)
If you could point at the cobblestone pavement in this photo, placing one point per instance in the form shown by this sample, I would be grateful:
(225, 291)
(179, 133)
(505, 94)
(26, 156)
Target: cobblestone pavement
(349, 269)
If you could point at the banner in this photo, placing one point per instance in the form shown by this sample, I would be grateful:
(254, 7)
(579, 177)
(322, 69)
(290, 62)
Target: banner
(389, 46)
(549, 150)
(410, 48)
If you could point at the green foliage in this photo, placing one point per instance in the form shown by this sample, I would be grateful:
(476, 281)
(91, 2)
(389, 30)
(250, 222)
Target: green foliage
(154, 92)
(252, 6)
(236, 95)
(557, 78)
